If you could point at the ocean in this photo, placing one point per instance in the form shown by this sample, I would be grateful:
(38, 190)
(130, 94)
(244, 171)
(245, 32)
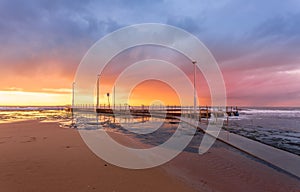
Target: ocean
(275, 126)
(53, 114)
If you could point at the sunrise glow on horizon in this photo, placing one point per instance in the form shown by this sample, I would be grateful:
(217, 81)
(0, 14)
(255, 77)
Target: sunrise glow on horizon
(256, 46)
(22, 98)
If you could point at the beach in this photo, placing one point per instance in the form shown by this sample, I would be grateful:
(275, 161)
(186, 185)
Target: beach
(150, 96)
(43, 156)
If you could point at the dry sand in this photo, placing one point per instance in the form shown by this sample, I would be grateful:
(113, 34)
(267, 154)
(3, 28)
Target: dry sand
(40, 157)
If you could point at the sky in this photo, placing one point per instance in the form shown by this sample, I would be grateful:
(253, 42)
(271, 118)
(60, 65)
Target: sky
(256, 44)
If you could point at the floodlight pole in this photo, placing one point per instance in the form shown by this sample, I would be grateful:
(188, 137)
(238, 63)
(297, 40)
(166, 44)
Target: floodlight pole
(73, 103)
(114, 97)
(97, 102)
(194, 63)
(73, 94)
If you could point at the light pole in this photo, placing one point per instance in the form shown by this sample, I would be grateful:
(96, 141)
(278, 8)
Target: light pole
(194, 63)
(114, 97)
(107, 94)
(97, 102)
(72, 109)
(73, 90)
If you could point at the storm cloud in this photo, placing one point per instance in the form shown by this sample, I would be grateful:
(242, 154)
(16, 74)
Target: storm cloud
(247, 38)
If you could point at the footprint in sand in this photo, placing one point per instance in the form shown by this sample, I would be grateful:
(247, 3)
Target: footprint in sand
(4, 139)
(28, 139)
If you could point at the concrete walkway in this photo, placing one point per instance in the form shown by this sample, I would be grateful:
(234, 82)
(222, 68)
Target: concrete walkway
(277, 157)
(284, 160)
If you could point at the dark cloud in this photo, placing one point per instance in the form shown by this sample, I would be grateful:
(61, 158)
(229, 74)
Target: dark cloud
(279, 27)
(246, 38)
(189, 24)
(273, 44)
(35, 32)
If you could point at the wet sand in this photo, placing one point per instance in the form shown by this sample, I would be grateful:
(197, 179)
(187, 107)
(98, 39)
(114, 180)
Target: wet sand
(226, 170)
(44, 157)
(38, 156)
